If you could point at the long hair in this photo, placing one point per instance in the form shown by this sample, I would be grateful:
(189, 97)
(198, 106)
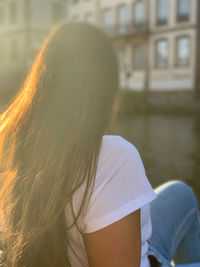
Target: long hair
(50, 139)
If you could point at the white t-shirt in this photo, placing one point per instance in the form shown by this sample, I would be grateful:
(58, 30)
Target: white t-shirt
(120, 188)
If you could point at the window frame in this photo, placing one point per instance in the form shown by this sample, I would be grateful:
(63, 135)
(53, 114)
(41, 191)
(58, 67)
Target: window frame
(177, 65)
(156, 55)
(180, 19)
(117, 18)
(133, 13)
(106, 27)
(159, 22)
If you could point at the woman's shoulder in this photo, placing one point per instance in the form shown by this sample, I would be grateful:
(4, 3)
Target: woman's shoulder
(121, 186)
(116, 140)
(118, 146)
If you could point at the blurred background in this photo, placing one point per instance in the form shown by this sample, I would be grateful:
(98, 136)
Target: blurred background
(157, 43)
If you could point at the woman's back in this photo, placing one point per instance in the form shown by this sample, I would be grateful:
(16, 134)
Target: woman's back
(120, 188)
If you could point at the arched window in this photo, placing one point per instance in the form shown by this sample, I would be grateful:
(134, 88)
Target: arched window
(138, 13)
(122, 19)
(183, 51)
(162, 53)
(107, 20)
(162, 11)
(183, 13)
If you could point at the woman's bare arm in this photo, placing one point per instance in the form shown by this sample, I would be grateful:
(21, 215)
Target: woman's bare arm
(117, 245)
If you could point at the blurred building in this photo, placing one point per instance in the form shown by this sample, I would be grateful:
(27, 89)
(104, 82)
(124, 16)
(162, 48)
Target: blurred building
(155, 40)
(23, 26)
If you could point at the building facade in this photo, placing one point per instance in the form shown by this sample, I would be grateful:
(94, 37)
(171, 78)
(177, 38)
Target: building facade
(23, 26)
(155, 40)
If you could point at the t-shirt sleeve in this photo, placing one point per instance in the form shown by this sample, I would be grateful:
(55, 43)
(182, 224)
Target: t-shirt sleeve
(121, 186)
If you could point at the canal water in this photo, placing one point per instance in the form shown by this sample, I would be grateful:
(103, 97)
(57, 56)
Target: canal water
(169, 146)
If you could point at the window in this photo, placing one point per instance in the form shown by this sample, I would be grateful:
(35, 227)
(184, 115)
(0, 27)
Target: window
(107, 19)
(162, 54)
(13, 12)
(89, 18)
(183, 51)
(1, 15)
(13, 50)
(183, 10)
(121, 18)
(138, 13)
(57, 12)
(138, 56)
(162, 12)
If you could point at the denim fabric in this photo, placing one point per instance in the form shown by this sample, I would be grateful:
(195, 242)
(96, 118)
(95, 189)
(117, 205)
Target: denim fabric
(175, 220)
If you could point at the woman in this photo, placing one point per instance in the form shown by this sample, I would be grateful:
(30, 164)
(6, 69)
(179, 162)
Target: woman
(71, 195)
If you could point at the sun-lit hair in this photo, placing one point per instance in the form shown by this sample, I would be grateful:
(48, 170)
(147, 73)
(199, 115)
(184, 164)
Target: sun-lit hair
(50, 139)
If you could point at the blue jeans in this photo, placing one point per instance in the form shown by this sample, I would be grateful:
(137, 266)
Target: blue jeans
(175, 220)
